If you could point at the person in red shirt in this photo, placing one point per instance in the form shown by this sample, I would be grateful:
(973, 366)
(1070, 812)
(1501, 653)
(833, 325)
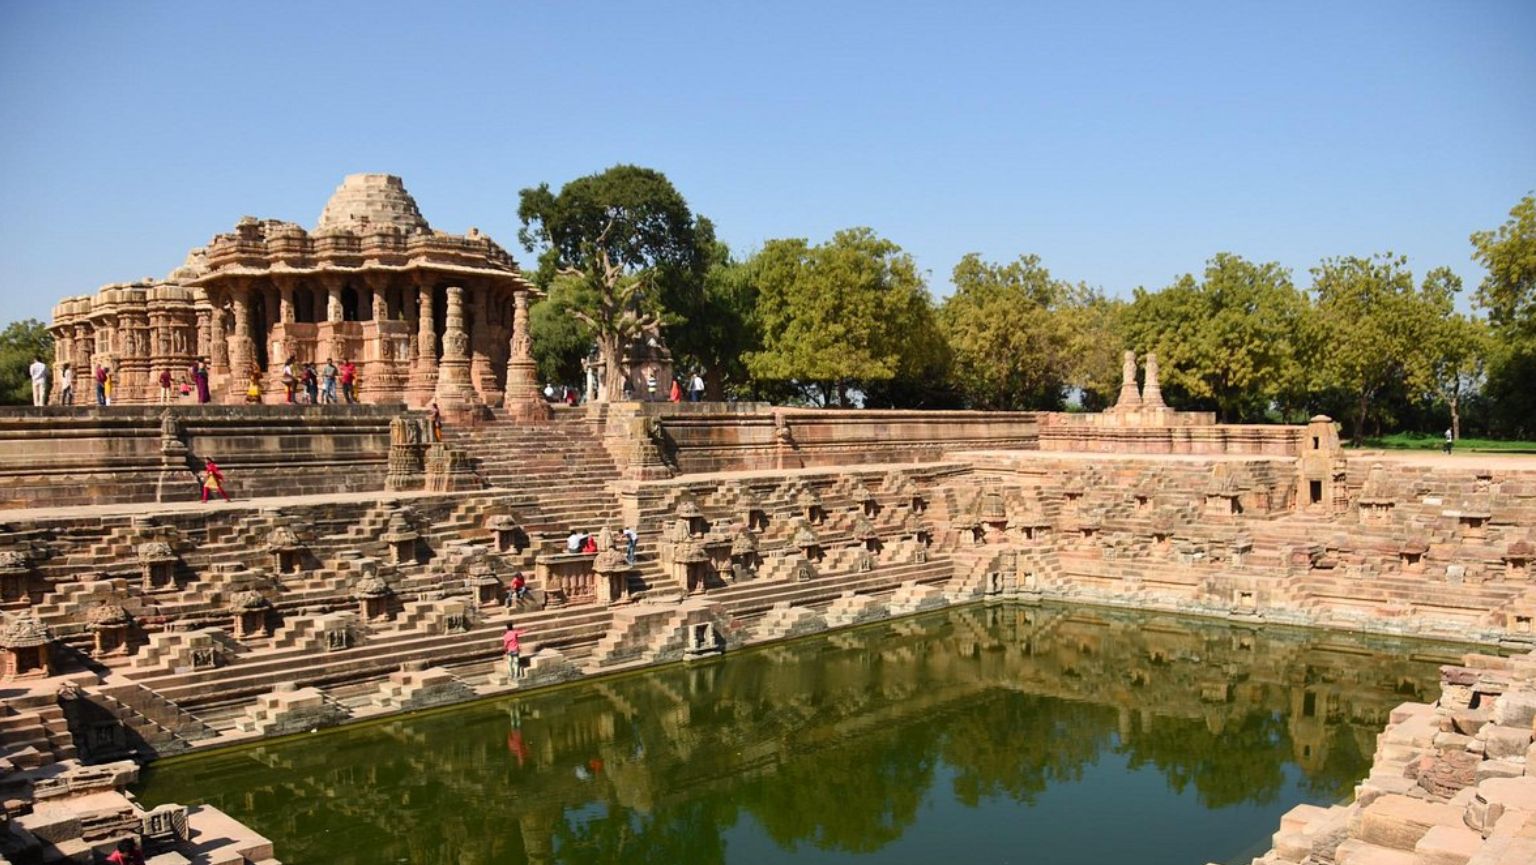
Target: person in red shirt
(165, 386)
(677, 392)
(511, 643)
(519, 586)
(349, 380)
(589, 545)
(127, 853)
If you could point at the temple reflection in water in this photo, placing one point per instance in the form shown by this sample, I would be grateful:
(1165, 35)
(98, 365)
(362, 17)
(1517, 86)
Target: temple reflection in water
(831, 745)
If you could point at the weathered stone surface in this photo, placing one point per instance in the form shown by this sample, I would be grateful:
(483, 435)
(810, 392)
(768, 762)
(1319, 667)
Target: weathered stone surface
(1399, 822)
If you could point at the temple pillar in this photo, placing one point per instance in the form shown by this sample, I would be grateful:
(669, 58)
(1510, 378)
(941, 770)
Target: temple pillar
(330, 338)
(455, 394)
(280, 340)
(384, 359)
(242, 347)
(482, 371)
(423, 381)
(523, 402)
(1151, 388)
(218, 337)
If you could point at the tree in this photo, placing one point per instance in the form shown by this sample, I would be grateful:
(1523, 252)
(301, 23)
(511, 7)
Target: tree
(1227, 340)
(838, 315)
(1095, 342)
(1011, 346)
(628, 236)
(1374, 327)
(1508, 292)
(1459, 365)
(722, 325)
(560, 340)
(20, 342)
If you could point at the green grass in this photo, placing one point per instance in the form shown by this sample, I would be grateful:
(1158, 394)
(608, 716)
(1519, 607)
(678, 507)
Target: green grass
(1427, 442)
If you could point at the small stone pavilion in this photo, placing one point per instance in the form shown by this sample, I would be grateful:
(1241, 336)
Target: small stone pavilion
(426, 315)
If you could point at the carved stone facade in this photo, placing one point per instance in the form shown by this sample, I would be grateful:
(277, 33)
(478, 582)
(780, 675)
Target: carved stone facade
(372, 283)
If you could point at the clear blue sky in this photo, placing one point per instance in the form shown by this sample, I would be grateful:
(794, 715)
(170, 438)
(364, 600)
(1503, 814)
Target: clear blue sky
(1125, 143)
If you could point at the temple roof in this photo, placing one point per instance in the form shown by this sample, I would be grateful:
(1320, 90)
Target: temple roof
(371, 199)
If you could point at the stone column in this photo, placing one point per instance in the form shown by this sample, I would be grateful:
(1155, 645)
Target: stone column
(482, 374)
(454, 393)
(1151, 390)
(63, 352)
(424, 371)
(333, 312)
(242, 348)
(381, 377)
(218, 338)
(523, 401)
(1130, 397)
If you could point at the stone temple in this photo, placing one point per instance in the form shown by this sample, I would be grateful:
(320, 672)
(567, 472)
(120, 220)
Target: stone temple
(365, 568)
(426, 315)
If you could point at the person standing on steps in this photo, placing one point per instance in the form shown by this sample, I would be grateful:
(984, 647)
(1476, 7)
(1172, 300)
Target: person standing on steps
(165, 386)
(511, 644)
(631, 540)
(676, 394)
(436, 416)
(1450, 440)
(328, 377)
(38, 372)
(696, 388)
(200, 377)
(67, 386)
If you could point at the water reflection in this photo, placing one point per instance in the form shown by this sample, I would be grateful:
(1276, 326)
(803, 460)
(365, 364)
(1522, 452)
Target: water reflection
(927, 737)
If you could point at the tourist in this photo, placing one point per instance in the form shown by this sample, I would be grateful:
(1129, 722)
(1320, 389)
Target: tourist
(650, 385)
(200, 377)
(349, 380)
(696, 388)
(519, 587)
(127, 853)
(165, 386)
(311, 385)
(589, 544)
(213, 479)
(67, 385)
(435, 415)
(629, 389)
(676, 395)
(570, 396)
(631, 540)
(106, 385)
(511, 643)
(38, 372)
(549, 392)
(253, 390)
(574, 542)
(1449, 440)
(328, 376)
(101, 384)
(290, 382)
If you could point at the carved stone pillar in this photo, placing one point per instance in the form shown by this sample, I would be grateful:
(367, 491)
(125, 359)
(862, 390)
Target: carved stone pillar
(63, 352)
(1151, 389)
(482, 373)
(382, 366)
(454, 392)
(242, 348)
(523, 401)
(424, 371)
(218, 337)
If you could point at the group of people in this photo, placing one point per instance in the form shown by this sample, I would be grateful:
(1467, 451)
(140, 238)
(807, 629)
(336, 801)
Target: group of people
(583, 542)
(572, 396)
(306, 384)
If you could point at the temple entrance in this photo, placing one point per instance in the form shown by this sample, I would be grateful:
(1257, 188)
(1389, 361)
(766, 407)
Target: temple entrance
(349, 304)
(259, 329)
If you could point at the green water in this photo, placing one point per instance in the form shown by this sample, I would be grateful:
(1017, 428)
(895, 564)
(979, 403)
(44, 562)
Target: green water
(974, 735)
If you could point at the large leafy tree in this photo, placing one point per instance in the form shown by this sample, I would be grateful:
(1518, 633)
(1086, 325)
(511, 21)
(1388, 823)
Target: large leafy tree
(20, 342)
(1011, 344)
(722, 325)
(1227, 340)
(1508, 291)
(1376, 330)
(628, 238)
(839, 315)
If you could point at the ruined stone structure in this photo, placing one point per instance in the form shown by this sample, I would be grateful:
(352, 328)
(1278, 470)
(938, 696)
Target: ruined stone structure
(424, 314)
(133, 629)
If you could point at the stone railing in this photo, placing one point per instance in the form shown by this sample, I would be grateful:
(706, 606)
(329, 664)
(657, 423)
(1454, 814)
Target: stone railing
(62, 456)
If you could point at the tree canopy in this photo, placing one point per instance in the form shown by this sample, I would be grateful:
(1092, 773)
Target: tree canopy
(19, 343)
(835, 316)
(628, 237)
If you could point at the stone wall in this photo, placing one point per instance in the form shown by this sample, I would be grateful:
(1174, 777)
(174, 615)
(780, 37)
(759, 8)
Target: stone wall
(60, 456)
(705, 437)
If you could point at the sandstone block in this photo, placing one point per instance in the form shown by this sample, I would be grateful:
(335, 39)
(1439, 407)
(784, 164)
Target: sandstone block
(1502, 742)
(1516, 709)
(1399, 822)
(1499, 769)
(1448, 845)
(1496, 796)
(1357, 852)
